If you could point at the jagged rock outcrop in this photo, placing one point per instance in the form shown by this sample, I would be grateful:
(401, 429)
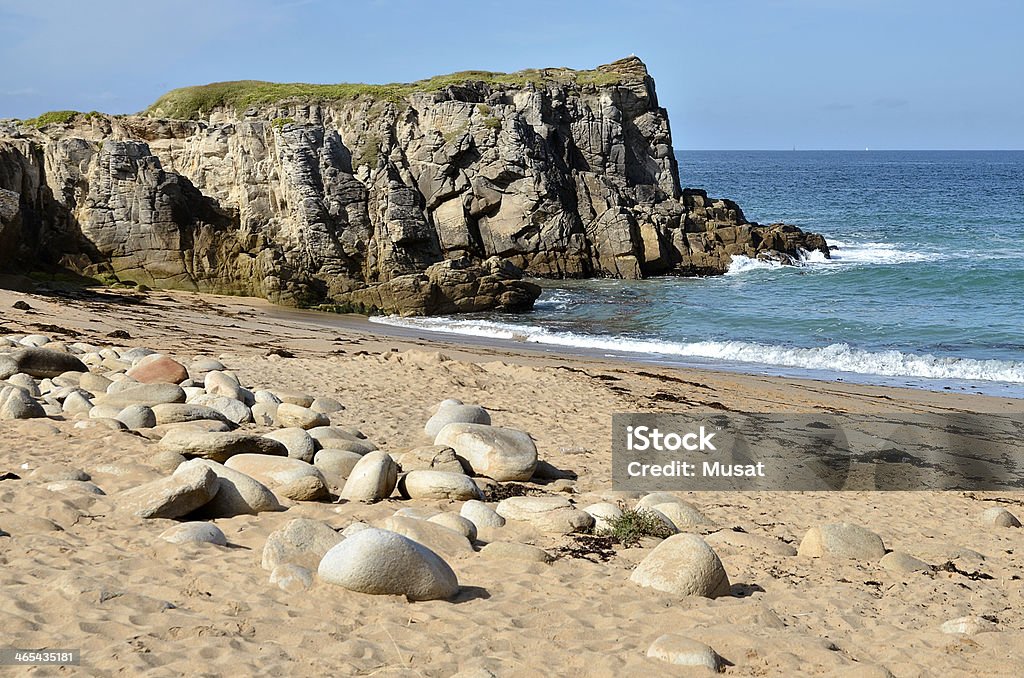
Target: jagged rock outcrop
(426, 198)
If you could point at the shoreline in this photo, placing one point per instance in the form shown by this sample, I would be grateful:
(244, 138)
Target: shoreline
(308, 329)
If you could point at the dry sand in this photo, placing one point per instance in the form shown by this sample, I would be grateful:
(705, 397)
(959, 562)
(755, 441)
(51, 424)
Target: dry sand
(76, 575)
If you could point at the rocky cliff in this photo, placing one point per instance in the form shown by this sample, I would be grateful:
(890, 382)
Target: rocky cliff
(421, 198)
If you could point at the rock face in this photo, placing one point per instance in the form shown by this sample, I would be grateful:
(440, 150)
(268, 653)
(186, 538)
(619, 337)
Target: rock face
(427, 198)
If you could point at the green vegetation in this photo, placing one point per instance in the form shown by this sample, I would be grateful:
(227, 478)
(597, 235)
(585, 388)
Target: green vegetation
(632, 525)
(195, 102)
(349, 307)
(454, 134)
(367, 154)
(484, 109)
(52, 117)
(278, 123)
(492, 122)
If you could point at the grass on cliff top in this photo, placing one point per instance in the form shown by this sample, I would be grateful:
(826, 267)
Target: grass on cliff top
(57, 117)
(189, 103)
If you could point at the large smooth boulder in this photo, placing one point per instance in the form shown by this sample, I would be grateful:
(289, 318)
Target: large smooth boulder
(299, 443)
(440, 539)
(291, 415)
(40, 363)
(195, 533)
(287, 477)
(336, 465)
(301, 542)
(431, 458)
(453, 521)
(237, 494)
(437, 485)
(548, 514)
(450, 413)
(683, 651)
(177, 413)
(189, 487)
(503, 454)
(142, 394)
(16, 403)
(219, 446)
(136, 417)
(233, 410)
(683, 565)
(603, 513)
(684, 517)
(372, 478)
(481, 515)
(386, 563)
(158, 369)
(360, 447)
(841, 540)
(999, 517)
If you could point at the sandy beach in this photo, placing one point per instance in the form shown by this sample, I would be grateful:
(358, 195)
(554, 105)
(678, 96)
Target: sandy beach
(78, 573)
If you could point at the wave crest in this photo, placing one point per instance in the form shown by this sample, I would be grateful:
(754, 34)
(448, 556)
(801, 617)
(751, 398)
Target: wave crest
(831, 358)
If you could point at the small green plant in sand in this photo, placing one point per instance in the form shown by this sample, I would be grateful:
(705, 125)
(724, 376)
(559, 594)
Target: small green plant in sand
(633, 525)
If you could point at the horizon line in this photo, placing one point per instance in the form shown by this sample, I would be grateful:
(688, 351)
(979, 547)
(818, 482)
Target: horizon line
(849, 150)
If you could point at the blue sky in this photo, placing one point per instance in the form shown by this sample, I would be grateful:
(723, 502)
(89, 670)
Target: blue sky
(734, 74)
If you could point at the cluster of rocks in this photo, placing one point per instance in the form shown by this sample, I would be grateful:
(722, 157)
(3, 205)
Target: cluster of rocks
(230, 450)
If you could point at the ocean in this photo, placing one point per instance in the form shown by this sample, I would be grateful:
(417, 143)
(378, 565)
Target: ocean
(925, 287)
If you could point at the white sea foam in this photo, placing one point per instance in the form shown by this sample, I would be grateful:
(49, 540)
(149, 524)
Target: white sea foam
(741, 264)
(832, 358)
(843, 255)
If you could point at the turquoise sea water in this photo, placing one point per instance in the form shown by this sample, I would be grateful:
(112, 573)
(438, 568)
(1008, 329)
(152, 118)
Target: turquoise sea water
(925, 288)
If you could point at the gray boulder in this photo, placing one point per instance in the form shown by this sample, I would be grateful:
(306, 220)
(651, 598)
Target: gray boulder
(287, 477)
(189, 487)
(503, 454)
(548, 514)
(176, 413)
(290, 415)
(300, 444)
(237, 494)
(455, 414)
(195, 533)
(301, 542)
(481, 514)
(841, 540)
(16, 403)
(442, 540)
(437, 485)
(136, 417)
(385, 563)
(39, 363)
(219, 446)
(372, 478)
(683, 565)
(142, 394)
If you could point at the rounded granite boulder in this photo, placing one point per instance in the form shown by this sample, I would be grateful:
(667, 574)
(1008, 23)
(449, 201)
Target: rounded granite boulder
(381, 562)
(683, 565)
